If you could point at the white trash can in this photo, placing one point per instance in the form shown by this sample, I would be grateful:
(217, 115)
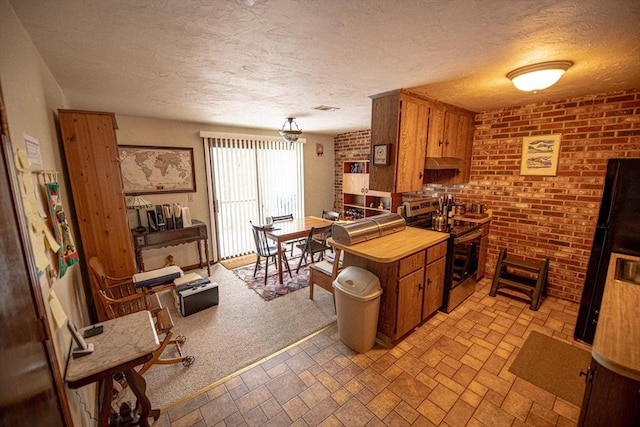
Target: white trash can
(357, 294)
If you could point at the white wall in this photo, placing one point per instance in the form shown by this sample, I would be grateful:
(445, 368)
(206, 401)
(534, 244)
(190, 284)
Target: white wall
(32, 97)
(318, 173)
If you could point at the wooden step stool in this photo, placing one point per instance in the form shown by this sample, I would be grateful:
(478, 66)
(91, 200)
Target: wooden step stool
(509, 275)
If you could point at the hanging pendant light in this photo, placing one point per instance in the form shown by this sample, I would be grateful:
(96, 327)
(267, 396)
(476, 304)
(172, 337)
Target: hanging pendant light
(533, 78)
(290, 135)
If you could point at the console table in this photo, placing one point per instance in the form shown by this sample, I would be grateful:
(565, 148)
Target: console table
(159, 239)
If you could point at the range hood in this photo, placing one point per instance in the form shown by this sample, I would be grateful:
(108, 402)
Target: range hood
(439, 163)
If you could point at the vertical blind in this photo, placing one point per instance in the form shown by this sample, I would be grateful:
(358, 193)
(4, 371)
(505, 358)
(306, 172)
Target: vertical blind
(252, 178)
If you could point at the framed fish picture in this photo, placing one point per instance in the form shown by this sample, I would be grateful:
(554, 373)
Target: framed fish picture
(540, 155)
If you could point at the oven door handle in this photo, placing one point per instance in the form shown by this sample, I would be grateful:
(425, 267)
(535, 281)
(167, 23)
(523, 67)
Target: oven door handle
(468, 237)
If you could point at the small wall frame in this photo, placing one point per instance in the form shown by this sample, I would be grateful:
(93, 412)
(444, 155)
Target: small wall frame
(540, 155)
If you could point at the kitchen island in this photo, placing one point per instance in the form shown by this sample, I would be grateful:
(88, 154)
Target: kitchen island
(410, 265)
(612, 395)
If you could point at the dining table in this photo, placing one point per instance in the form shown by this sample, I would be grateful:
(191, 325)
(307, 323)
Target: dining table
(293, 229)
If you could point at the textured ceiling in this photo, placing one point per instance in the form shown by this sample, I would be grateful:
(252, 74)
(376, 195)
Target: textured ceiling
(251, 63)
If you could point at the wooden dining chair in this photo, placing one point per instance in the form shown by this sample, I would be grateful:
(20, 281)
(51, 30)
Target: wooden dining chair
(316, 243)
(266, 249)
(120, 297)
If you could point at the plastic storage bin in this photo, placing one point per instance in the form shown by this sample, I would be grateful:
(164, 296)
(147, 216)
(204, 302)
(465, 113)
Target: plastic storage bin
(357, 294)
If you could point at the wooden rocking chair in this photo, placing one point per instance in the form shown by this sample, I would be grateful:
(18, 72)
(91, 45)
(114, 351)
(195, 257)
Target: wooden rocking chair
(120, 297)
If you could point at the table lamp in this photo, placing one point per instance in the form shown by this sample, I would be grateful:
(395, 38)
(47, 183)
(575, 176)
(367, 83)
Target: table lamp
(137, 203)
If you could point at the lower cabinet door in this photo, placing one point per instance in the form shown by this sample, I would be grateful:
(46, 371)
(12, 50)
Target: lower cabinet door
(434, 290)
(410, 294)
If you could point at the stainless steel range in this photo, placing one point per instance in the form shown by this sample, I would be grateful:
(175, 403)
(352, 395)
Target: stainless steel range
(462, 248)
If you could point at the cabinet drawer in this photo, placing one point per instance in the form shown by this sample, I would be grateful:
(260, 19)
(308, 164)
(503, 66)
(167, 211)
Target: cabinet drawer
(436, 251)
(411, 263)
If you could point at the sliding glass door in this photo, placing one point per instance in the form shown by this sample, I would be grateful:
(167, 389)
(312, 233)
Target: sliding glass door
(252, 178)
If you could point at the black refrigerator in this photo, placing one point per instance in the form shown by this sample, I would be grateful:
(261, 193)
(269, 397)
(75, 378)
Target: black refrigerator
(617, 230)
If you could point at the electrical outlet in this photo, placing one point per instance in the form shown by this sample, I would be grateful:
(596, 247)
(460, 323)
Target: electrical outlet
(190, 198)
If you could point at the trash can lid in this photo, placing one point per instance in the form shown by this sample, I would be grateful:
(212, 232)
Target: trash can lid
(359, 283)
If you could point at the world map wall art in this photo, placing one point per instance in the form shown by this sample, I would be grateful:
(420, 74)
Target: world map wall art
(540, 155)
(152, 170)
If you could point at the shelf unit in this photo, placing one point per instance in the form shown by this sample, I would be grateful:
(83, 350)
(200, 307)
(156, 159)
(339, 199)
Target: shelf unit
(357, 199)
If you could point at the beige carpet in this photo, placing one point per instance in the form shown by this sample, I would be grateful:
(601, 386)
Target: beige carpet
(553, 365)
(240, 330)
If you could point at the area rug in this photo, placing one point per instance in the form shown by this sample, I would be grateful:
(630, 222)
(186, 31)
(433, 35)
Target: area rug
(232, 335)
(553, 366)
(273, 289)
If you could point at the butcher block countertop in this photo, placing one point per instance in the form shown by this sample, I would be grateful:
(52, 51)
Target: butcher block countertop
(394, 247)
(617, 342)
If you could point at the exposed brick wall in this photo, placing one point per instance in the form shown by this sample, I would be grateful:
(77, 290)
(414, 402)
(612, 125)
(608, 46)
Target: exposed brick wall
(536, 217)
(349, 147)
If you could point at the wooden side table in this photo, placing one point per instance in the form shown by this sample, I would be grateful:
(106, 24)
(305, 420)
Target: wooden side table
(125, 343)
(160, 239)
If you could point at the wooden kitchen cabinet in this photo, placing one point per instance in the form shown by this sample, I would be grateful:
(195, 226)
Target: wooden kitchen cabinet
(400, 119)
(450, 134)
(413, 288)
(92, 160)
(434, 279)
(357, 199)
(610, 399)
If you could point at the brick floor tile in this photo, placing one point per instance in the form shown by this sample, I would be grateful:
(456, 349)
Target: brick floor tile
(410, 365)
(450, 384)
(341, 396)
(382, 404)
(191, 405)
(321, 412)
(353, 413)
(464, 375)
(295, 408)
(410, 389)
(535, 393)
(443, 397)
(328, 381)
(566, 410)
(186, 420)
(494, 364)
(431, 412)
(395, 420)
(479, 352)
(314, 394)
(491, 415)
(255, 377)
(517, 405)
(253, 399)
(285, 387)
(218, 409)
(471, 398)
(255, 417)
(543, 413)
(280, 420)
(373, 380)
(331, 421)
(406, 412)
(460, 414)
(365, 395)
(271, 408)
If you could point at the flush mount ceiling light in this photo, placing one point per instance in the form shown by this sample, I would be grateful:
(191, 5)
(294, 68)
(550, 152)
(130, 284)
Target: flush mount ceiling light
(533, 78)
(290, 135)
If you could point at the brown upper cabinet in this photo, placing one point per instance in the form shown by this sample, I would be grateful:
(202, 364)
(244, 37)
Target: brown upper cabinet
(450, 134)
(400, 120)
(416, 127)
